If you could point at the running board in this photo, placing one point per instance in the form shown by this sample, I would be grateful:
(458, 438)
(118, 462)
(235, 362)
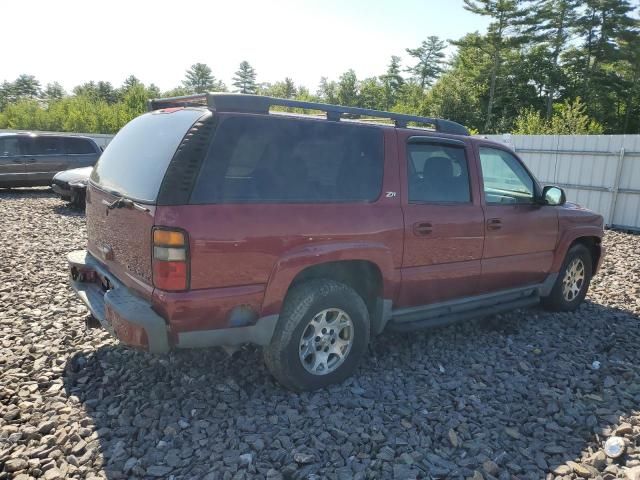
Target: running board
(446, 313)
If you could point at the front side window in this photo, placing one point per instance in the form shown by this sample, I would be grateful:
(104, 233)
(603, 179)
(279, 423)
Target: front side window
(505, 179)
(284, 160)
(437, 173)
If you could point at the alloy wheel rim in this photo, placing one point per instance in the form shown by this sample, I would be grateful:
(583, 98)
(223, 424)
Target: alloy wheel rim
(326, 341)
(573, 280)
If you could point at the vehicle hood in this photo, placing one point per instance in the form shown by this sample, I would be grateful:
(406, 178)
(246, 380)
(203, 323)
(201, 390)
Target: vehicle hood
(577, 214)
(74, 175)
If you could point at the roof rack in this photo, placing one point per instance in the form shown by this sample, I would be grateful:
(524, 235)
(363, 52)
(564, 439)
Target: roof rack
(235, 102)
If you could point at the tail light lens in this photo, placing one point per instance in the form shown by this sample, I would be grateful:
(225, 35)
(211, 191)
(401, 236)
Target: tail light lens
(170, 259)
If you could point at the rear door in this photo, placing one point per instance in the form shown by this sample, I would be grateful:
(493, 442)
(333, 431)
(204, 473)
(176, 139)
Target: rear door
(44, 157)
(521, 235)
(79, 152)
(11, 163)
(444, 221)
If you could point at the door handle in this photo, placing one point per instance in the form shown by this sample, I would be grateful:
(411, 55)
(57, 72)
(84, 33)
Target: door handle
(31, 160)
(494, 224)
(422, 228)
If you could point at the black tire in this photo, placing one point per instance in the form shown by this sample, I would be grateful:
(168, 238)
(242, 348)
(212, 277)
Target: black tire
(556, 300)
(77, 198)
(302, 304)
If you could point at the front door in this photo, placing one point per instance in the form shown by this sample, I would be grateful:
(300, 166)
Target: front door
(444, 222)
(521, 234)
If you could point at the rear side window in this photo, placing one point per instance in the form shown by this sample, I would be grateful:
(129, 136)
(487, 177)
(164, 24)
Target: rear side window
(135, 161)
(437, 173)
(9, 146)
(284, 160)
(44, 146)
(78, 146)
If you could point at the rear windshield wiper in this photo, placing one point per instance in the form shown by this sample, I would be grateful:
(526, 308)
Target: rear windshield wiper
(124, 202)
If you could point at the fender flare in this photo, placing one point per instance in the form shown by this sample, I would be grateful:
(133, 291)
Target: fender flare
(567, 238)
(296, 260)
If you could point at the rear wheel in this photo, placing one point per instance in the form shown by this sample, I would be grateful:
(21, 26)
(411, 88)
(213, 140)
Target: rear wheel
(573, 281)
(321, 335)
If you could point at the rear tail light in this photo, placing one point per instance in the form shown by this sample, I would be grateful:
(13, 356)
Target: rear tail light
(170, 259)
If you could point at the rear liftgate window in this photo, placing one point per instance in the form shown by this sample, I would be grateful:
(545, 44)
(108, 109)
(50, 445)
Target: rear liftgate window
(280, 160)
(135, 161)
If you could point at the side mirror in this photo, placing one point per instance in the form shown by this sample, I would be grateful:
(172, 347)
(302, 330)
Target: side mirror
(553, 195)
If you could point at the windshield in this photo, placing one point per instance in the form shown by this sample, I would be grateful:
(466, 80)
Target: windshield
(134, 163)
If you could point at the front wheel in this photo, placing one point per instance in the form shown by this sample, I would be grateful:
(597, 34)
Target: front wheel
(321, 335)
(573, 281)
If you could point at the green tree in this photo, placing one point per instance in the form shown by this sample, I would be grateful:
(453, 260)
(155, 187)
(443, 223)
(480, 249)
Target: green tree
(372, 94)
(549, 25)
(392, 81)
(503, 34)
(347, 89)
(199, 79)
(569, 118)
(429, 61)
(26, 86)
(6, 94)
(53, 91)
(245, 78)
(283, 89)
(328, 91)
(629, 69)
(593, 65)
(177, 92)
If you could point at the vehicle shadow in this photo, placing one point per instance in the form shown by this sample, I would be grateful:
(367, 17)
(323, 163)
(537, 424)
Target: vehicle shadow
(26, 191)
(69, 210)
(512, 396)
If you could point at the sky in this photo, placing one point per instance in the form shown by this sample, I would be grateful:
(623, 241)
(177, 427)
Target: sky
(73, 42)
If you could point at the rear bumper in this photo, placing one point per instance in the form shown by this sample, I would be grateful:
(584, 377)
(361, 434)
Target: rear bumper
(134, 322)
(122, 313)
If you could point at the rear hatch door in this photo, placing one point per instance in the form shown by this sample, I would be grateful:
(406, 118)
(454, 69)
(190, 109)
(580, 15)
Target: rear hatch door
(123, 190)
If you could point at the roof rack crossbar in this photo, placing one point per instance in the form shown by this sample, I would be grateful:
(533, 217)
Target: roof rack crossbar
(229, 102)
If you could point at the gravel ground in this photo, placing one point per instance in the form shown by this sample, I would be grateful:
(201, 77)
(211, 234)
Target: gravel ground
(516, 396)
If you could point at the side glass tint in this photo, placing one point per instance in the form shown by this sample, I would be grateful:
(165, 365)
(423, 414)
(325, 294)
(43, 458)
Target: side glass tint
(284, 160)
(9, 146)
(437, 174)
(505, 179)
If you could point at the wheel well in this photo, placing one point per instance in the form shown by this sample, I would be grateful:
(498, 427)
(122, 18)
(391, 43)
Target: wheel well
(361, 275)
(593, 245)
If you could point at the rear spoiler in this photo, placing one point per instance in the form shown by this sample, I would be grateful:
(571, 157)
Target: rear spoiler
(235, 102)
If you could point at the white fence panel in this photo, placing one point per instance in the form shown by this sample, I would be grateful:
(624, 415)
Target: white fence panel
(601, 172)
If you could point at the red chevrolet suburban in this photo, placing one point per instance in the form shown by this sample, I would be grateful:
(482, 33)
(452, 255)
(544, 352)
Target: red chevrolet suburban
(214, 220)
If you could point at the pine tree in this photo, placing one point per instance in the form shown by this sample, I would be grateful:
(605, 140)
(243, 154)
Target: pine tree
(26, 86)
(53, 91)
(199, 79)
(430, 61)
(245, 78)
(549, 25)
(502, 35)
(392, 82)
